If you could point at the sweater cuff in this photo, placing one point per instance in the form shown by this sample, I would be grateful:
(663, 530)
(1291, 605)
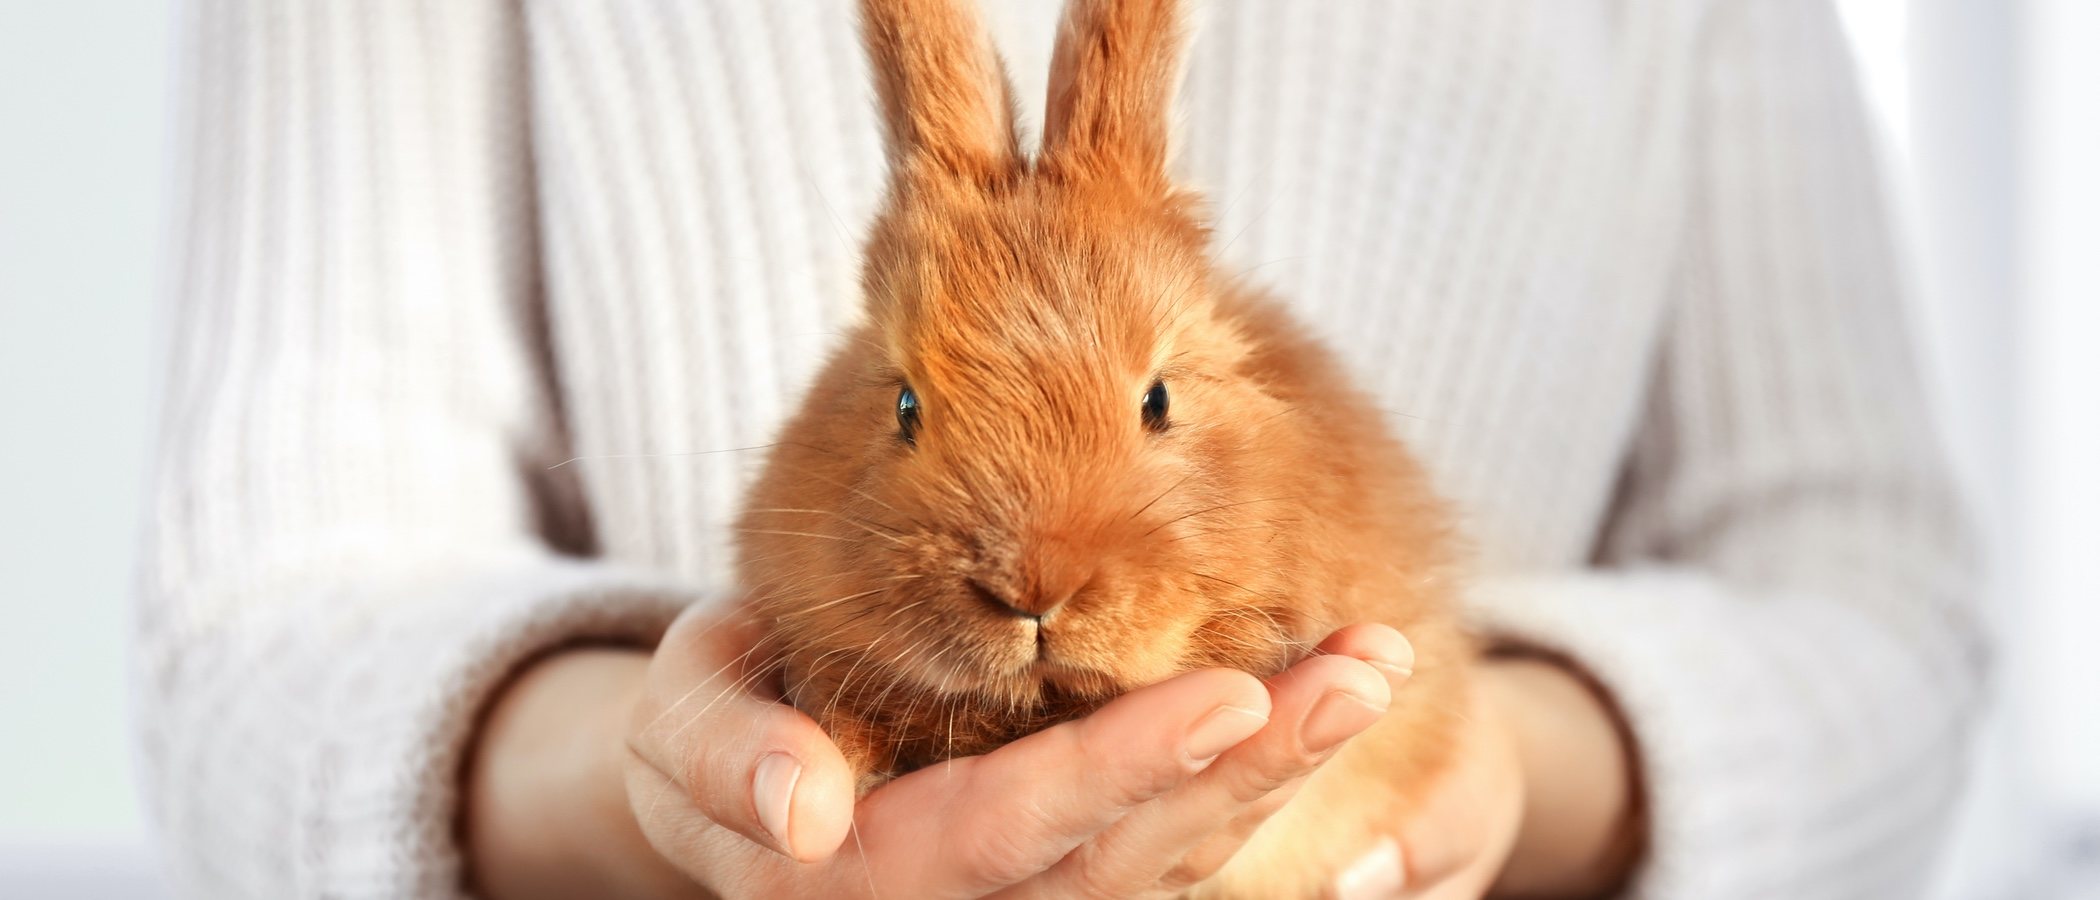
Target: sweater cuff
(1739, 708)
(387, 771)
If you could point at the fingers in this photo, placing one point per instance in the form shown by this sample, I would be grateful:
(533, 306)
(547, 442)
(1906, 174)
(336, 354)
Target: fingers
(749, 764)
(1457, 841)
(1454, 845)
(1380, 874)
(1475, 879)
(1122, 784)
(1277, 768)
(1387, 651)
(1318, 704)
(1001, 818)
(1384, 648)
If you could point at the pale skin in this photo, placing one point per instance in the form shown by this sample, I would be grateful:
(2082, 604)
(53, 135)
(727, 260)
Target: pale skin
(622, 773)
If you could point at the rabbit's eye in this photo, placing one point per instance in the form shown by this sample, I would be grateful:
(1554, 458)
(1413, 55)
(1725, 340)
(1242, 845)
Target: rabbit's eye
(908, 415)
(1154, 407)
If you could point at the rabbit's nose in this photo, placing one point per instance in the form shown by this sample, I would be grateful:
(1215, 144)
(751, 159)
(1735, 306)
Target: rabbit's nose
(1043, 578)
(1001, 601)
(1031, 602)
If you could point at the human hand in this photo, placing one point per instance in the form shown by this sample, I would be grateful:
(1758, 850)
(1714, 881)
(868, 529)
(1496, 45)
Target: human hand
(1539, 803)
(749, 797)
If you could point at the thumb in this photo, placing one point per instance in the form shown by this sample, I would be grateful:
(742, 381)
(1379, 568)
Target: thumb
(749, 764)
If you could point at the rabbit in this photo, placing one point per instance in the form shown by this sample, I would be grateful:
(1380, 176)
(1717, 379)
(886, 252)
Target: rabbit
(1065, 456)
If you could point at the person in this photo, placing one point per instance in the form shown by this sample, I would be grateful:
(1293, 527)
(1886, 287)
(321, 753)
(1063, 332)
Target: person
(480, 308)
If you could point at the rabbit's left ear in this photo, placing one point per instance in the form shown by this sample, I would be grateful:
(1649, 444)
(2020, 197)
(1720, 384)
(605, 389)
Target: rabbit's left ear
(945, 101)
(1112, 83)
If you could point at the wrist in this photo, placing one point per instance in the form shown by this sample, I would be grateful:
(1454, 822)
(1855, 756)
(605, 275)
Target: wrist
(546, 811)
(1581, 831)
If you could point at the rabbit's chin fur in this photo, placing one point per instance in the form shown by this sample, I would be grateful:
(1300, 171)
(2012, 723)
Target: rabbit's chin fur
(1038, 538)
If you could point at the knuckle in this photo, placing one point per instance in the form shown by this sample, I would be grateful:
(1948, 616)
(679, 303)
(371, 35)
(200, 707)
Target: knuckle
(1136, 784)
(1263, 777)
(1127, 779)
(1254, 812)
(1093, 874)
(1191, 869)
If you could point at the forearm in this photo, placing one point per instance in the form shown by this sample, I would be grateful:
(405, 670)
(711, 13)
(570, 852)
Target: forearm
(546, 812)
(1580, 832)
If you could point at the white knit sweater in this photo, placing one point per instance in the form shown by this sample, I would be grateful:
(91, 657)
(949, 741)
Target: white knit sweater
(1617, 268)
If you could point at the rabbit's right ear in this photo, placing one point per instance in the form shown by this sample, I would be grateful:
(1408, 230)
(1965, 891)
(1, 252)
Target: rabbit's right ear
(945, 100)
(1112, 81)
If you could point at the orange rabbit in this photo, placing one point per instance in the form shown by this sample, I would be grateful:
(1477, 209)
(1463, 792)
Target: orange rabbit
(1065, 456)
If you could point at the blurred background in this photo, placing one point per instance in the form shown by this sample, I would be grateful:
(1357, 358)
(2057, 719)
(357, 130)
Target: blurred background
(1990, 114)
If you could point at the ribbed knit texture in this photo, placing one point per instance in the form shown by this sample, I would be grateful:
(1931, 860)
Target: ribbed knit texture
(1617, 270)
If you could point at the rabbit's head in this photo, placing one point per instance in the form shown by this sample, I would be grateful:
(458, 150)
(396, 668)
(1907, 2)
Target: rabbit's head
(1059, 461)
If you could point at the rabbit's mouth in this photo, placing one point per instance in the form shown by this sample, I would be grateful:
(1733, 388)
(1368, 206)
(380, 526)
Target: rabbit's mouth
(1062, 678)
(1028, 672)
(1039, 671)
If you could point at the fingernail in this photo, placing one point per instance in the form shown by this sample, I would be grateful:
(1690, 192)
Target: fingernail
(1377, 874)
(1220, 731)
(773, 794)
(1398, 658)
(1337, 717)
(1395, 676)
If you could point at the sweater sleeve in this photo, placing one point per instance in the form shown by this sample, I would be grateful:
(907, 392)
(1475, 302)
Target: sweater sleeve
(357, 532)
(1782, 602)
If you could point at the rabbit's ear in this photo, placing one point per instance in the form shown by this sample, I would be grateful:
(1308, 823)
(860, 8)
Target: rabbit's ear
(945, 100)
(1112, 82)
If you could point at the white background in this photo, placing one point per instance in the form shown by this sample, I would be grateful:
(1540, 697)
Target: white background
(1992, 115)
(83, 147)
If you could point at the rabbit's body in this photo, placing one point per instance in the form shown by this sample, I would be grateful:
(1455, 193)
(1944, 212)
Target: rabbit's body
(1064, 458)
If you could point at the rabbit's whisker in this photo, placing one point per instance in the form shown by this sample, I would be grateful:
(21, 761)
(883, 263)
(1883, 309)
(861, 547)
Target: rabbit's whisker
(1162, 495)
(1221, 506)
(807, 534)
